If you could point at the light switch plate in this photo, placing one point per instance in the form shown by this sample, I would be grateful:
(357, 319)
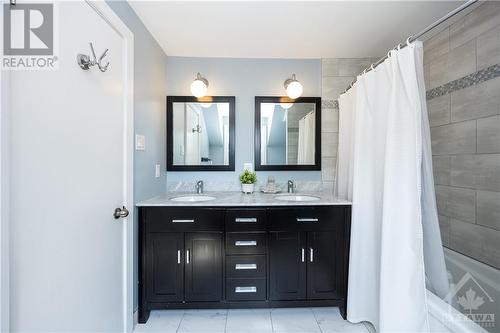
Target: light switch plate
(248, 166)
(140, 142)
(157, 170)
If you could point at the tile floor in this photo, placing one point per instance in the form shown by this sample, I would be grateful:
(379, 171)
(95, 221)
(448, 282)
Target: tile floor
(289, 320)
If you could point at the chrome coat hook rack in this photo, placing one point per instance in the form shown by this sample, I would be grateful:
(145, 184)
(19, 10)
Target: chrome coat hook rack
(86, 63)
(197, 129)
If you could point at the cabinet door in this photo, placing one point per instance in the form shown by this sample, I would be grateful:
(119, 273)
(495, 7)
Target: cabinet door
(287, 267)
(165, 269)
(321, 265)
(203, 266)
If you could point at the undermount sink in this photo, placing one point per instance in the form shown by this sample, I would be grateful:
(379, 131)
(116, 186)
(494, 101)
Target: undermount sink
(192, 198)
(293, 197)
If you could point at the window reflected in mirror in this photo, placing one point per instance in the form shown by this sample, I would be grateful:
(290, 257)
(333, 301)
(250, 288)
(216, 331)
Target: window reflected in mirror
(201, 134)
(287, 131)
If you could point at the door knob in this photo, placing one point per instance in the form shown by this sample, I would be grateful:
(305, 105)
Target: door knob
(120, 212)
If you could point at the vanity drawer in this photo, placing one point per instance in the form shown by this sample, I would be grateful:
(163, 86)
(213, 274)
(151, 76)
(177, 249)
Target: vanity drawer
(246, 219)
(246, 243)
(245, 289)
(246, 266)
(160, 219)
(306, 218)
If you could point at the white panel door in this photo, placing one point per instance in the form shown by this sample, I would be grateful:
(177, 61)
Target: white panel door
(192, 150)
(68, 175)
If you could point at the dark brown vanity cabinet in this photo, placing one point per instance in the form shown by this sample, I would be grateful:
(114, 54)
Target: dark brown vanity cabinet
(203, 267)
(303, 265)
(184, 267)
(165, 267)
(287, 271)
(322, 266)
(238, 257)
(307, 252)
(246, 254)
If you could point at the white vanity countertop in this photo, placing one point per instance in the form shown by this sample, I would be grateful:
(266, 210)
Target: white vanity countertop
(227, 199)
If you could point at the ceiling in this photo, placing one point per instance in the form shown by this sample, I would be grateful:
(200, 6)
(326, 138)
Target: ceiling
(286, 29)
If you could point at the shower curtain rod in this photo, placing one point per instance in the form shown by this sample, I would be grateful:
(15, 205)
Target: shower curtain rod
(415, 37)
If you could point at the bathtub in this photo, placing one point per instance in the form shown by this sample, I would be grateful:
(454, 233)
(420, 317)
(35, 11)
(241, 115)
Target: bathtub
(482, 279)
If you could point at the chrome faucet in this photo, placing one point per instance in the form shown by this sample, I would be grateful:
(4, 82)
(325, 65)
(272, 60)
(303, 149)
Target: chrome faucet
(291, 186)
(199, 187)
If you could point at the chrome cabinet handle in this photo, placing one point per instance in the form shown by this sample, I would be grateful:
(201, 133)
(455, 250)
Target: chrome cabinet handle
(311, 254)
(178, 256)
(307, 219)
(182, 221)
(245, 220)
(245, 243)
(245, 289)
(303, 255)
(245, 266)
(188, 257)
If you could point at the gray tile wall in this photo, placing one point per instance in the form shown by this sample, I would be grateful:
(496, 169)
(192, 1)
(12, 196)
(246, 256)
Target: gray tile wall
(465, 133)
(337, 74)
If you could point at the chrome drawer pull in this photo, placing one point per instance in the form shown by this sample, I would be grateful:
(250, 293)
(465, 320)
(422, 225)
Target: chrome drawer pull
(245, 266)
(245, 243)
(188, 256)
(306, 219)
(311, 254)
(245, 220)
(182, 221)
(303, 255)
(178, 256)
(245, 289)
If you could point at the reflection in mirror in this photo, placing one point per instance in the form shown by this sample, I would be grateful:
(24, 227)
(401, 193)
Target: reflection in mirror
(200, 134)
(287, 133)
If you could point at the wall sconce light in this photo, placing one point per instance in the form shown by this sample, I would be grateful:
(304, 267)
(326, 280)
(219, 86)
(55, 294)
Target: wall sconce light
(293, 87)
(199, 86)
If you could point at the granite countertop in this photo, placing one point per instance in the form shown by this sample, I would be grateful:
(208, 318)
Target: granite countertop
(235, 199)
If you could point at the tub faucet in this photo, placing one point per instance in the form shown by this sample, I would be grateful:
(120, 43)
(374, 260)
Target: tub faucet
(291, 186)
(199, 187)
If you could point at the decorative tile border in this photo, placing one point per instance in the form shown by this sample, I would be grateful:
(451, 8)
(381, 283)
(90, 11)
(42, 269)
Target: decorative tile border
(464, 82)
(329, 104)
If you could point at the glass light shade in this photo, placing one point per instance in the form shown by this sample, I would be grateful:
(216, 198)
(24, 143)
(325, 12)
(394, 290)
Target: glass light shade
(198, 88)
(294, 89)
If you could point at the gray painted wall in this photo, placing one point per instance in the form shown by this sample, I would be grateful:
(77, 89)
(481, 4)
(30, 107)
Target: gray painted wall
(149, 112)
(465, 133)
(245, 79)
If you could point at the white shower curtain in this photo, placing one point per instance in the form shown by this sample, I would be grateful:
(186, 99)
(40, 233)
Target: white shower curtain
(305, 154)
(385, 168)
(345, 160)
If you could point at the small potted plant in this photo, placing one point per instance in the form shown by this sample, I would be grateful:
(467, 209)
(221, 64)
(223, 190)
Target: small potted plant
(248, 180)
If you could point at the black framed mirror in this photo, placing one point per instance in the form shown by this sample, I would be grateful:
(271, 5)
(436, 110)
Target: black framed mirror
(287, 133)
(200, 133)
